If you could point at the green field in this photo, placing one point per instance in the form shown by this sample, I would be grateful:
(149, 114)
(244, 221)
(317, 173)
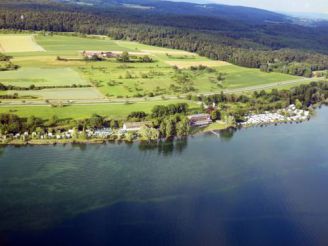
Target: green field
(66, 45)
(117, 111)
(39, 65)
(26, 76)
(62, 94)
(19, 43)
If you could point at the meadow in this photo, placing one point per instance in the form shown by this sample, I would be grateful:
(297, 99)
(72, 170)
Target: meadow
(62, 94)
(27, 76)
(56, 61)
(19, 43)
(113, 111)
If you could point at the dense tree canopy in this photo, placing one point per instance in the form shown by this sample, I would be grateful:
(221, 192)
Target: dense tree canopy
(278, 47)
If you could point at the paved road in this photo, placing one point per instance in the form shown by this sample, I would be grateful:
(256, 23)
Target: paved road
(7, 103)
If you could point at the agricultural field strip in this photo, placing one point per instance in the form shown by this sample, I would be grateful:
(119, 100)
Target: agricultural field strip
(26, 76)
(63, 94)
(269, 86)
(6, 103)
(163, 55)
(19, 43)
(188, 64)
(84, 111)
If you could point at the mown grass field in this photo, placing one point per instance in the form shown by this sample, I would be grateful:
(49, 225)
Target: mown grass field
(37, 58)
(19, 43)
(72, 46)
(116, 111)
(27, 76)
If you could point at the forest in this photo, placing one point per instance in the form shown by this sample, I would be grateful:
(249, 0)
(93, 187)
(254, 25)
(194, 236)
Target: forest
(281, 47)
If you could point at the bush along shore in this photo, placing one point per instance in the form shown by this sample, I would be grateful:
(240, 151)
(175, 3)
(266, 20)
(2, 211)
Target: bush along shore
(216, 112)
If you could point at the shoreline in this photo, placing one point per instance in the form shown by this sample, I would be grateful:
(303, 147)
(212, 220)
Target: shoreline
(93, 141)
(40, 142)
(210, 128)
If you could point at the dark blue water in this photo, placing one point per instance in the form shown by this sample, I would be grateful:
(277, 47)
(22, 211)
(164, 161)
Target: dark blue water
(258, 186)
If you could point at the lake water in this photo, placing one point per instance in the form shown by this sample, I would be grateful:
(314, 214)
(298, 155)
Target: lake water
(258, 186)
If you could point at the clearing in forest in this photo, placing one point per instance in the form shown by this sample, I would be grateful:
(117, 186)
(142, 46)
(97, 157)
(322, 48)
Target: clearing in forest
(18, 43)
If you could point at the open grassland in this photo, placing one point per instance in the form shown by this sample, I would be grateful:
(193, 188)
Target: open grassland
(117, 111)
(27, 76)
(71, 46)
(18, 43)
(135, 46)
(238, 77)
(117, 80)
(47, 61)
(62, 94)
(188, 64)
(235, 77)
(114, 79)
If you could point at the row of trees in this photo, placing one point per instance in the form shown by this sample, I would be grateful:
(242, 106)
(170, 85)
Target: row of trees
(126, 57)
(4, 87)
(6, 64)
(171, 109)
(308, 94)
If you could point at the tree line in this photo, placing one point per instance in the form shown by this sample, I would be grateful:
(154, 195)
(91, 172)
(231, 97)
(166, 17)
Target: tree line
(171, 120)
(269, 47)
(238, 106)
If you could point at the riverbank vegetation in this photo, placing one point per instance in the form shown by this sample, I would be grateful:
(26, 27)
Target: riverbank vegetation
(238, 106)
(163, 122)
(100, 69)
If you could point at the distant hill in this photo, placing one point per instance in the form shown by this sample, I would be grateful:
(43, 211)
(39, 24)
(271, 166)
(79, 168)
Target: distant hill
(244, 36)
(310, 16)
(185, 8)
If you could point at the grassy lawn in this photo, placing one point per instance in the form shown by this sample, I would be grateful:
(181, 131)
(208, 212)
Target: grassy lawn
(69, 45)
(237, 77)
(27, 76)
(216, 126)
(116, 111)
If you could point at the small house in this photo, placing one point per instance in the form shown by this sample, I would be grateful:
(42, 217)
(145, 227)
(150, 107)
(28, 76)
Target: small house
(199, 119)
(100, 54)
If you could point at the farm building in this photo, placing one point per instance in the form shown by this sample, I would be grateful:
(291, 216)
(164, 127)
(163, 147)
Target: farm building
(101, 54)
(134, 126)
(199, 119)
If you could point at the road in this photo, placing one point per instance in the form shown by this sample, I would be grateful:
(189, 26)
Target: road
(6, 103)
